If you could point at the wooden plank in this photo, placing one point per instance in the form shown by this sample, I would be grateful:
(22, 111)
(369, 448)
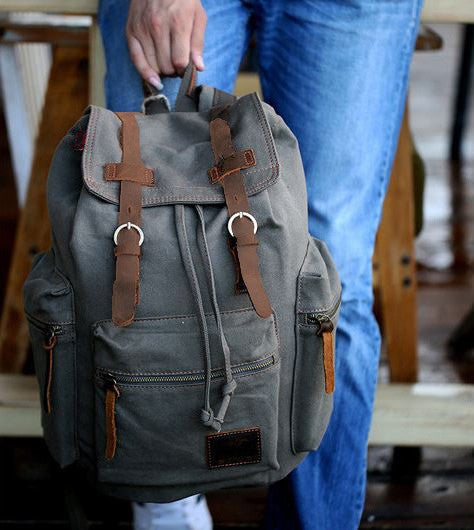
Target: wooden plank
(436, 415)
(19, 406)
(18, 390)
(448, 11)
(395, 265)
(66, 98)
(433, 10)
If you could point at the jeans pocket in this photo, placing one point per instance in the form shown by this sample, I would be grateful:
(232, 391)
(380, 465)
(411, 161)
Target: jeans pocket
(317, 311)
(49, 308)
(149, 399)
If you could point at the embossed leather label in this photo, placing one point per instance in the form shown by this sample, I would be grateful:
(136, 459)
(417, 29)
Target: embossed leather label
(234, 448)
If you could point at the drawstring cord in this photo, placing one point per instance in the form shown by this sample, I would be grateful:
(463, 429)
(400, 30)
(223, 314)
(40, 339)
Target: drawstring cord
(229, 387)
(208, 417)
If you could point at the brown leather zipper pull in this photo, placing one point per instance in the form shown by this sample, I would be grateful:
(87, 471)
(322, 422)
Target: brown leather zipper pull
(111, 395)
(49, 347)
(326, 332)
(328, 359)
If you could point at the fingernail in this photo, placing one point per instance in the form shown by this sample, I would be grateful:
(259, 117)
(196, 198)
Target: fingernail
(199, 62)
(155, 81)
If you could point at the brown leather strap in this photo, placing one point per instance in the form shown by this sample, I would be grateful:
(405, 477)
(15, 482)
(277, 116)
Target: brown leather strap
(132, 174)
(237, 201)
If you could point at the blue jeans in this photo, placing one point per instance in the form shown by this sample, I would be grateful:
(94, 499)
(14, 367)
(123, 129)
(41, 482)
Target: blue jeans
(336, 71)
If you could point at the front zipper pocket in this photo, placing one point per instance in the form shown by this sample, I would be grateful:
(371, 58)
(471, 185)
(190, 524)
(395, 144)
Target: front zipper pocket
(149, 399)
(317, 311)
(49, 309)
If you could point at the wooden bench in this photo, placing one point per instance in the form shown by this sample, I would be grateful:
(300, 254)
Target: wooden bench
(405, 415)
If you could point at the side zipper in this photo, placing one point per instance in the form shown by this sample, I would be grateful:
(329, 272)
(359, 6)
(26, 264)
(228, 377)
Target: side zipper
(112, 381)
(48, 345)
(325, 330)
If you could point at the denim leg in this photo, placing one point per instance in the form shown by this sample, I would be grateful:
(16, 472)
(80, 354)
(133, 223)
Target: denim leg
(226, 39)
(337, 71)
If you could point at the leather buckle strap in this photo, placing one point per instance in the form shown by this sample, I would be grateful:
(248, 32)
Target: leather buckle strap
(242, 226)
(128, 236)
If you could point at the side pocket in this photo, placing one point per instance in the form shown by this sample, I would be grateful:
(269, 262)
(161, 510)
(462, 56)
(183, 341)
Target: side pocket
(49, 307)
(317, 312)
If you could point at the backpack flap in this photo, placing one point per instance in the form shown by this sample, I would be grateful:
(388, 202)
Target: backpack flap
(177, 148)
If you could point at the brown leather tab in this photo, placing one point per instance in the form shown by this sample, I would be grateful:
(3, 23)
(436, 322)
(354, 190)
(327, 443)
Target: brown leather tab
(110, 425)
(237, 201)
(328, 360)
(234, 162)
(132, 174)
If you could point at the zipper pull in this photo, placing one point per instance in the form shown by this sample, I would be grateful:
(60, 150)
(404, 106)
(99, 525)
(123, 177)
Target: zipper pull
(111, 395)
(326, 332)
(49, 345)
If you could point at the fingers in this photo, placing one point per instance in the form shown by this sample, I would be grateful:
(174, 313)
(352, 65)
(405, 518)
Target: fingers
(141, 64)
(181, 23)
(163, 35)
(197, 37)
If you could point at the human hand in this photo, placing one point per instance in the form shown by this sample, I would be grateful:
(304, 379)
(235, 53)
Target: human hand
(164, 35)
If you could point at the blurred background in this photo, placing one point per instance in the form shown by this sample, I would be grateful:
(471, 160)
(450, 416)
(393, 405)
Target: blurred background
(421, 454)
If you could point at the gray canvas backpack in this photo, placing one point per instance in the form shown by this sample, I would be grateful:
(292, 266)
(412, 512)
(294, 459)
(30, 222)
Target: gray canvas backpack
(175, 352)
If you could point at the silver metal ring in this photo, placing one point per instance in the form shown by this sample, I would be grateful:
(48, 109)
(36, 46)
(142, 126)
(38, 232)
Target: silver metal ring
(240, 215)
(128, 226)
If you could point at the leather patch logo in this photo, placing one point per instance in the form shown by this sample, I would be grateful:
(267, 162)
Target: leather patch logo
(234, 448)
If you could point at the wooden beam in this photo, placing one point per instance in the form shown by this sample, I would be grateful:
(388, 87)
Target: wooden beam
(395, 266)
(66, 98)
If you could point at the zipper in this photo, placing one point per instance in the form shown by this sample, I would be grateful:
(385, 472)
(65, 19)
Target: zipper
(51, 339)
(324, 319)
(325, 330)
(170, 378)
(111, 382)
(51, 333)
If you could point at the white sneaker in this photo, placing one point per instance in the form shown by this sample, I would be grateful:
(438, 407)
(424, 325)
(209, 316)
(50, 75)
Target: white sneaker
(190, 513)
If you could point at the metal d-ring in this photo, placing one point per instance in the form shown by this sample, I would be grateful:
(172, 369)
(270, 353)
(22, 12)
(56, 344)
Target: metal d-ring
(240, 215)
(128, 226)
